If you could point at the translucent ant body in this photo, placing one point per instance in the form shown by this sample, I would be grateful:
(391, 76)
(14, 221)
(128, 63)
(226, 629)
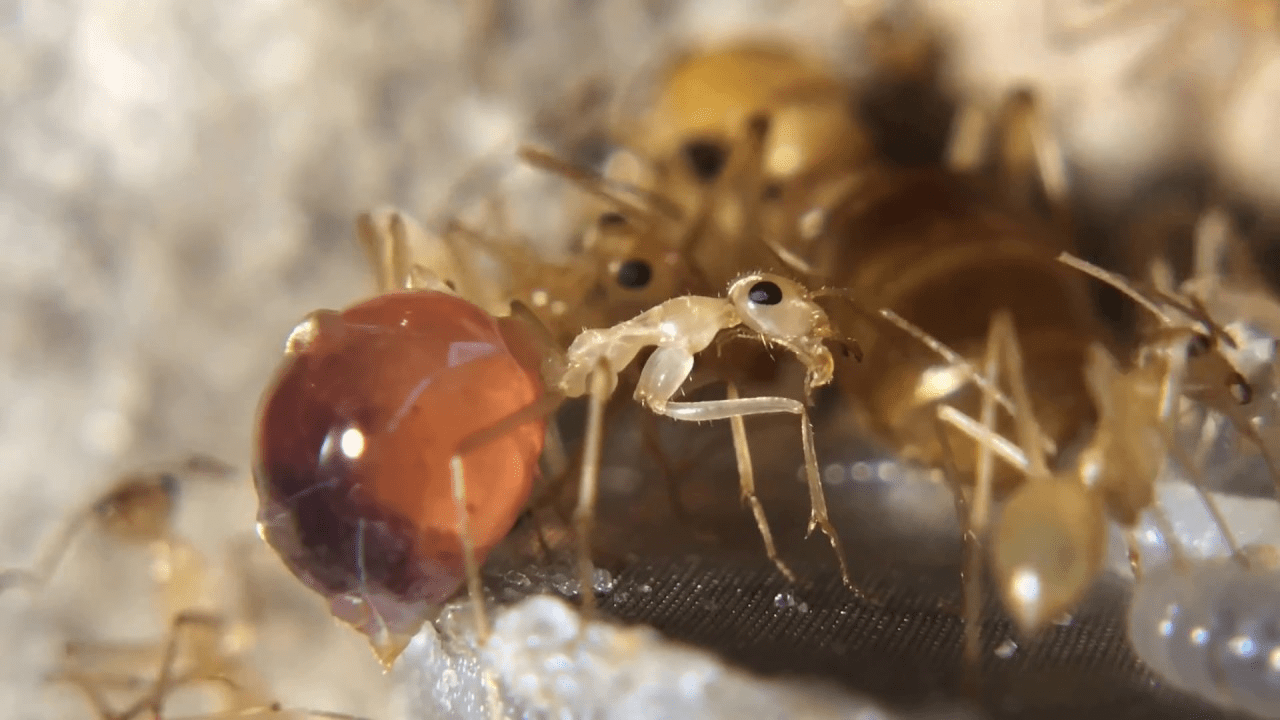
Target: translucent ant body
(1048, 546)
(401, 506)
(736, 136)
(624, 264)
(202, 647)
(787, 162)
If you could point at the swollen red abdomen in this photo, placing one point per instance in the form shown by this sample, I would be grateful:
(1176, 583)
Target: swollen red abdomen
(353, 450)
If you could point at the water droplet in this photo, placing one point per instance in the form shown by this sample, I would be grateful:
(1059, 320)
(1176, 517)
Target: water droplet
(803, 607)
(603, 582)
(566, 586)
(784, 600)
(1006, 649)
(645, 589)
(861, 472)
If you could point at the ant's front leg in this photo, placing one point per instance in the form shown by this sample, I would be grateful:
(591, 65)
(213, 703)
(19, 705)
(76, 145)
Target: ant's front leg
(667, 369)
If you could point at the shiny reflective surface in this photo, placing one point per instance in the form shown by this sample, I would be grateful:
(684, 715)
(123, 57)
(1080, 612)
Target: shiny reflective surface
(353, 450)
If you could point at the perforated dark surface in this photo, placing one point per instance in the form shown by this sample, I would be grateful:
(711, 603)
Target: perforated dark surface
(703, 579)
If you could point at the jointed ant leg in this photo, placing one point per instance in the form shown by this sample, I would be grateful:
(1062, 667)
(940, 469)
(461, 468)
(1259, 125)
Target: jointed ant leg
(470, 563)
(747, 482)
(980, 508)
(584, 513)
(741, 407)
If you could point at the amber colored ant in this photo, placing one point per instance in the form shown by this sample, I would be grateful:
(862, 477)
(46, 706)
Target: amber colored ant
(787, 162)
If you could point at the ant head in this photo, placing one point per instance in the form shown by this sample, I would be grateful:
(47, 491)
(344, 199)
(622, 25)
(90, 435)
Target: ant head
(139, 508)
(785, 110)
(636, 270)
(782, 311)
(1048, 548)
(779, 309)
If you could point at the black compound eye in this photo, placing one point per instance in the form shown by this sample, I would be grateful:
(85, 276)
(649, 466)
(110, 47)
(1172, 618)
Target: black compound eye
(1199, 345)
(635, 274)
(765, 292)
(706, 158)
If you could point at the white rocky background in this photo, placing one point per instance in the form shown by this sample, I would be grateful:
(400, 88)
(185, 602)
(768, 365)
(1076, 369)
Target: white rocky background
(177, 183)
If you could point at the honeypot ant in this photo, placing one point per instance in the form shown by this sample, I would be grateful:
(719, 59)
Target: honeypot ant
(352, 455)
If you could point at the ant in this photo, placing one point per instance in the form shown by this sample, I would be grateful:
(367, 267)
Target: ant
(1048, 545)
(386, 526)
(201, 646)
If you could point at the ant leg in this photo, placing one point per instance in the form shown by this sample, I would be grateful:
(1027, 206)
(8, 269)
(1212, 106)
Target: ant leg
(1029, 156)
(1135, 554)
(767, 405)
(1030, 436)
(1194, 471)
(584, 513)
(747, 482)
(40, 572)
(967, 146)
(667, 369)
(89, 688)
(164, 682)
(980, 514)
(402, 255)
(470, 563)
(1001, 446)
(540, 408)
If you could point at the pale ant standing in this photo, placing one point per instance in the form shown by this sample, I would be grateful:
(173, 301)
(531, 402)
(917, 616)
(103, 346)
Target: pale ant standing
(488, 490)
(202, 647)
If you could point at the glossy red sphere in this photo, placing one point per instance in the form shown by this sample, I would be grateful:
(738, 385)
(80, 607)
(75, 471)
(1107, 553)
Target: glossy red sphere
(354, 442)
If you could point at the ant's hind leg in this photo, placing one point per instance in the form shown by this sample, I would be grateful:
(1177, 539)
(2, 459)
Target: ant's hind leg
(747, 481)
(470, 562)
